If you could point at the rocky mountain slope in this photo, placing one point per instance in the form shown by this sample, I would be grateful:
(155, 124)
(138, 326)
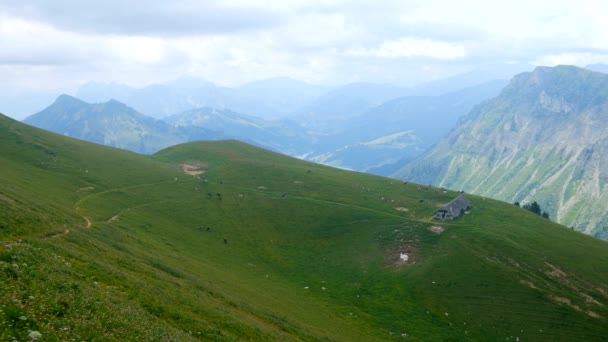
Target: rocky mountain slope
(545, 139)
(397, 131)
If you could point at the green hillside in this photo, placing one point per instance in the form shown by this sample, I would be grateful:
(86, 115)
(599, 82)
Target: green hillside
(543, 139)
(103, 244)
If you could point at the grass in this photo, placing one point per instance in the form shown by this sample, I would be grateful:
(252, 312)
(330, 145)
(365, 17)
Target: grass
(291, 251)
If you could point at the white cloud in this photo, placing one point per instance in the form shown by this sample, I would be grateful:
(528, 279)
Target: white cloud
(66, 42)
(408, 47)
(138, 50)
(581, 59)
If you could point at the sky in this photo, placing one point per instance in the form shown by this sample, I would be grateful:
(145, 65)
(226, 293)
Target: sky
(61, 44)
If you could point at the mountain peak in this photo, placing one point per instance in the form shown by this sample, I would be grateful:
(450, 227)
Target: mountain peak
(67, 99)
(577, 86)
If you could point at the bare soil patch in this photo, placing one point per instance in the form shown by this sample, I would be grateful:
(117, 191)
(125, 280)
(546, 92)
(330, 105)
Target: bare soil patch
(114, 218)
(261, 187)
(402, 209)
(436, 229)
(402, 255)
(192, 168)
(86, 188)
(528, 283)
(562, 300)
(555, 271)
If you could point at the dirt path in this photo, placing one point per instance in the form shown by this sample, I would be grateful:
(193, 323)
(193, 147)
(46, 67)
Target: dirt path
(65, 232)
(79, 202)
(88, 222)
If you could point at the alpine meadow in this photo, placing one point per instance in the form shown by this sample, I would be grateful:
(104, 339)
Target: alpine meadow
(226, 241)
(303, 170)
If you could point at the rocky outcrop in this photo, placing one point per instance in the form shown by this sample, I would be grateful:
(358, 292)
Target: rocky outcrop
(544, 139)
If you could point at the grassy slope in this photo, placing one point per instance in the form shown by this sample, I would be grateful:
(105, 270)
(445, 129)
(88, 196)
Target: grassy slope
(309, 255)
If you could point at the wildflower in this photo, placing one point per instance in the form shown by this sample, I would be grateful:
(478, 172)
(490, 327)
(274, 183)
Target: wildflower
(34, 335)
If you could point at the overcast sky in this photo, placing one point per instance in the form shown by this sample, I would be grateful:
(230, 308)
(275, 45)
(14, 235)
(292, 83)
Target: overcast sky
(60, 44)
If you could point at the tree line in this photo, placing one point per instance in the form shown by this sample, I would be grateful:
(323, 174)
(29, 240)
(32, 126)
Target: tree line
(535, 208)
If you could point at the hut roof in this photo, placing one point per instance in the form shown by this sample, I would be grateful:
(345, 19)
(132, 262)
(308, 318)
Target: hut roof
(457, 205)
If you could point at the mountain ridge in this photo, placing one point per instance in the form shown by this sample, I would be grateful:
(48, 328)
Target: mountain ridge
(542, 139)
(111, 123)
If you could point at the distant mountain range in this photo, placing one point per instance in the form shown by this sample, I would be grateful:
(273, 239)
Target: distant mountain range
(545, 139)
(272, 98)
(279, 135)
(114, 124)
(383, 137)
(363, 137)
(317, 107)
(541, 139)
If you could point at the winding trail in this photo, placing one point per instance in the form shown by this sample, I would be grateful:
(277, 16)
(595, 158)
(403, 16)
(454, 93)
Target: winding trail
(80, 201)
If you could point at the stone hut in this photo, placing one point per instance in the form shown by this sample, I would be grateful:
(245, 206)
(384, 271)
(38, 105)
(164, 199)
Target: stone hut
(453, 209)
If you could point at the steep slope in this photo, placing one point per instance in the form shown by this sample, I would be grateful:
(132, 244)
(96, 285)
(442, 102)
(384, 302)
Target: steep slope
(386, 136)
(113, 124)
(225, 241)
(544, 138)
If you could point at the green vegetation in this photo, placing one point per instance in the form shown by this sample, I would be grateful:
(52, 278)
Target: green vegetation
(542, 139)
(288, 250)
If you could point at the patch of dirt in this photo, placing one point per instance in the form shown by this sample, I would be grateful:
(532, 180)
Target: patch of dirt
(54, 235)
(555, 271)
(561, 276)
(402, 209)
(405, 254)
(567, 301)
(436, 229)
(528, 283)
(561, 300)
(191, 168)
(261, 187)
(590, 300)
(114, 218)
(593, 314)
(86, 188)
(602, 291)
(298, 182)
(88, 221)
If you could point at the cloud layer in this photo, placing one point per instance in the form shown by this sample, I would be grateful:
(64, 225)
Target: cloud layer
(65, 43)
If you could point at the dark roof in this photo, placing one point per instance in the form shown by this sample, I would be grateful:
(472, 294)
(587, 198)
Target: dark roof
(457, 204)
